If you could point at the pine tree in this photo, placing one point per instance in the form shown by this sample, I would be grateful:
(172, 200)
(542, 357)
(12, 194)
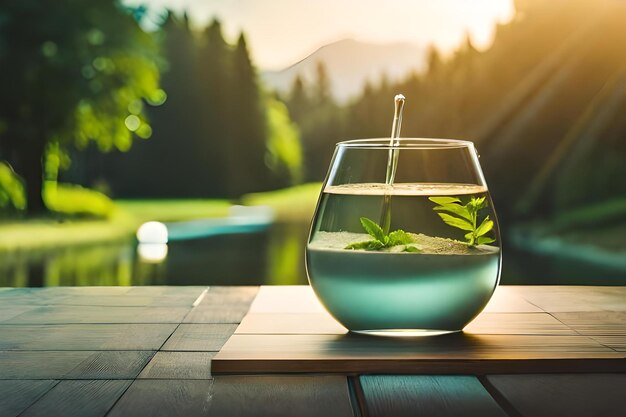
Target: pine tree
(247, 142)
(298, 101)
(214, 85)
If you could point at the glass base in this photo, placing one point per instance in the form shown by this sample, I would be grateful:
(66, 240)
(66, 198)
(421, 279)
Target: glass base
(404, 332)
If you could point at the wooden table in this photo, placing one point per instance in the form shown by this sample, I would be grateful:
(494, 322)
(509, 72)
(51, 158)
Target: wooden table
(94, 351)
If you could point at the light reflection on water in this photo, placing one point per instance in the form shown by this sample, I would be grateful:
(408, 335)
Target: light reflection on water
(273, 256)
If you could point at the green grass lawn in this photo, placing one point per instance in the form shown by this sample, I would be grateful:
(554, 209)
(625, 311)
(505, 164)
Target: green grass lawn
(173, 210)
(292, 204)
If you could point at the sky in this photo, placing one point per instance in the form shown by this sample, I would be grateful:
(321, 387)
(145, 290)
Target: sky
(281, 32)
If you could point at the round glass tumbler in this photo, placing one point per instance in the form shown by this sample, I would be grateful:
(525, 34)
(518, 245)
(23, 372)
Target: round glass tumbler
(404, 240)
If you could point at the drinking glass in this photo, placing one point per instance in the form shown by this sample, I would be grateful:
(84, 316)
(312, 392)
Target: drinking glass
(413, 253)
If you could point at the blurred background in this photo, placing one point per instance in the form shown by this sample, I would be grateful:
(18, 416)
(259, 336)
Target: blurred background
(176, 142)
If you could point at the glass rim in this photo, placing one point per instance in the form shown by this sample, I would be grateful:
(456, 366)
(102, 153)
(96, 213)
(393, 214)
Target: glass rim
(406, 143)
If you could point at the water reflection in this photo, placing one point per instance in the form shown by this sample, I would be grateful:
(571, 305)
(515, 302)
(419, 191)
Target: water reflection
(152, 252)
(271, 256)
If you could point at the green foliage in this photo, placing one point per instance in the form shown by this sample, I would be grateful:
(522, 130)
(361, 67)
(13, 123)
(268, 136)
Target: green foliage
(465, 217)
(11, 189)
(75, 200)
(73, 73)
(224, 134)
(283, 143)
(381, 239)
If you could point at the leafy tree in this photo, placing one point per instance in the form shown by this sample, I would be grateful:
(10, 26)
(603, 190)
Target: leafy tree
(70, 74)
(284, 156)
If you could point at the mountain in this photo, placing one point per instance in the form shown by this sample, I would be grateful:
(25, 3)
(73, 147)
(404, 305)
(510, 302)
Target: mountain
(350, 64)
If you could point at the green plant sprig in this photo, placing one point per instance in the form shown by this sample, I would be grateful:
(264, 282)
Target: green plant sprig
(381, 239)
(465, 217)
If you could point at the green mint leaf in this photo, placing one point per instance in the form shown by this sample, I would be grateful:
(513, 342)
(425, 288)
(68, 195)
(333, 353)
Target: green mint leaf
(484, 227)
(399, 237)
(457, 209)
(478, 203)
(444, 200)
(367, 245)
(456, 222)
(411, 249)
(373, 229)
(465, 217)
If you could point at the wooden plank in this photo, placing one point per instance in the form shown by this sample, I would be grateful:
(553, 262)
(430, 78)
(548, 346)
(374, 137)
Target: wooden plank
(223, 305)
(9, 311)
(29, 296)
(105, 300)
(449, 354)
(199, 337)
(506, 299)
(129, 300)
(230, 295)
(225, 314)
(19, 395)
(277, 396)
(81, 291)
(78, 398)
(517, 324)
(423, 395)
(156, 290)
(111, 365)
(85, 336)
(147, 397)
(323, 323)
(563, 395)
(293, 299)
(39, 365)
(595, 322)
(301, 299)
(555, 299)
(615, 342)
(98, 314)
(289, 323)
(179, 365)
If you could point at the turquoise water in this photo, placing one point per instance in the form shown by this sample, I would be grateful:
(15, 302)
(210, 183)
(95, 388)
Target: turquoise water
(440, 289)
(376, 291)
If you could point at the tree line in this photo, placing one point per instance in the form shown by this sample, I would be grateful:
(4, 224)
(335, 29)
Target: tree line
(218, 133)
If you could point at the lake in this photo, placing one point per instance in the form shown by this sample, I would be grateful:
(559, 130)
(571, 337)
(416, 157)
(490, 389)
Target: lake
(272, 256)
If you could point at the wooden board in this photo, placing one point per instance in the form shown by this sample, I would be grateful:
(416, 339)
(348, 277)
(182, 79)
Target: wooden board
(17, 396)
(111, 365)
(199, 337)
(78, 398)
(39, 365)
(164, 398)
(288, 330)
(179, 365)
(563, 395)
(68, 314)
(276, 396)
(85, 336)
(423, 395)
(86, 368)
